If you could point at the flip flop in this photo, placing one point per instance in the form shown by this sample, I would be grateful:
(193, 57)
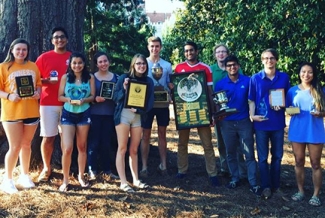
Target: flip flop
(64, 187)
(140, 185)
(44, 176)
(126, 188)
(83, 182)
(298, 196)
(314, 201)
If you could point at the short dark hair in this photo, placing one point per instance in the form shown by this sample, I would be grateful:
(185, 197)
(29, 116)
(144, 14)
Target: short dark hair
(272, 51)
(55, 29)
(98, 54)
(191, 43)
(231, 58)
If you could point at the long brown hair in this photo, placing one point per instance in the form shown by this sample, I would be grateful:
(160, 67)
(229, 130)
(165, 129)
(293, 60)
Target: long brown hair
(10, 58)
(134, 59)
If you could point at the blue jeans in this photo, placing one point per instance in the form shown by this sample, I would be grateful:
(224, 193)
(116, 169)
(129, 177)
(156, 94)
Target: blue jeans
(102, 142)
(270, 176)
(239, 135)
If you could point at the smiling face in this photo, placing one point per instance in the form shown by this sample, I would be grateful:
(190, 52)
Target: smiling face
(306, 74)
(103, 63)
(190, 53)
(140, 66)
(221, 53)
(232, 68)
(77, 64)
(269, 60)
(154, 48)
(20, 52)
(59, 40)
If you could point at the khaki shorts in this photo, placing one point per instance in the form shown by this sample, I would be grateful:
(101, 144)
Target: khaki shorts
(129, 118)
(50, 119)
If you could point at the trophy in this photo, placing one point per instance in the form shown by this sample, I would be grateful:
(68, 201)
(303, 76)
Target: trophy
(54, 75)
(262, 109)
(220, 98)
(160, 94)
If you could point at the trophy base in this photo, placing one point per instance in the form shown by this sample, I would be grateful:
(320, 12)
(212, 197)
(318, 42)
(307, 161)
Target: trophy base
(226, 112)
(161, 96)
(75, 101)
(54, 79)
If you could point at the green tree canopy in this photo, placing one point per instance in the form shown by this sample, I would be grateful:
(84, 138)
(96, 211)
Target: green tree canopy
(295, 28)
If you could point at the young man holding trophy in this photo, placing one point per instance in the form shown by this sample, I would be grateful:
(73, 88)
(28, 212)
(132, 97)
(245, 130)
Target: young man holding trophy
(236, 127)
(159, 70)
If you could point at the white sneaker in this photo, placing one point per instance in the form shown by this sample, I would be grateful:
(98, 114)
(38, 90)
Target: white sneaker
(8, 186)
(25, 181)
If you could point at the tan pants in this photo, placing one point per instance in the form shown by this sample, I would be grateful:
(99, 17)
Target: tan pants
(182, 154)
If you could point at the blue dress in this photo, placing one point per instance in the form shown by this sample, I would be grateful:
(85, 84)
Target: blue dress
(304, 127)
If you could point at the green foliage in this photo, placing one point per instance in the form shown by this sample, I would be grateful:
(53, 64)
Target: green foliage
(295, 28)
(119, 29)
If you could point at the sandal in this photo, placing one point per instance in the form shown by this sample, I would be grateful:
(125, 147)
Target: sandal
(63, 187)
(83, 182)
(125, 187)
(141, 185)
(314, 201)
(298, 196)
(44, 176)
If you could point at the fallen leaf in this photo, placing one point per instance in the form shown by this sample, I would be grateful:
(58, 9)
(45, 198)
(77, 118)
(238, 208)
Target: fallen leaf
(285, 198)
(285, 208)
(255, 211)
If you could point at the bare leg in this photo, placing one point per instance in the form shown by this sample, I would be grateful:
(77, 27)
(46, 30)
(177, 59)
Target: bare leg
(315, 153)
(299, 153)
(162, 145)
(47, 148)
(145, 148)
(82, 134)
(136, 133)
(122, 131)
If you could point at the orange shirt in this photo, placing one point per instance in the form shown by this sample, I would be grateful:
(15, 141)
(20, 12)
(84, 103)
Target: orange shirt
(27, 107)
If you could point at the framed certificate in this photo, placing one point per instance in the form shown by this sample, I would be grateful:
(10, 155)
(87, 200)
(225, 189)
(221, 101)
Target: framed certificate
(25, 86)
(136, 95)
(277, 97)
(191, 100)
(107, 89)
(161, 96)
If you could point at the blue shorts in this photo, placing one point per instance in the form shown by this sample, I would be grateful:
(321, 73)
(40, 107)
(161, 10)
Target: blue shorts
(162, 117)
(75, 119)
(27, 121)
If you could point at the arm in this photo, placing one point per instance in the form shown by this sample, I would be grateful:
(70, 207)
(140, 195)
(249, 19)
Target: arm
(90, 98)
(119, 92)
(62, 96)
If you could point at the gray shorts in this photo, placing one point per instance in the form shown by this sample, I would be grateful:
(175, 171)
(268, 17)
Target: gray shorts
(129, 118)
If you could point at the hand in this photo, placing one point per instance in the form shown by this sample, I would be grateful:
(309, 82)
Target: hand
(14, 97)
(126, 81)
(133, 110)
(258, 118)
(276, 108)
(36, 95)
(99, 99)
(317, 114)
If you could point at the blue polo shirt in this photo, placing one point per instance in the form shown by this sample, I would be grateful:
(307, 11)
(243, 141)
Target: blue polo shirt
(259, 88)
(237, 94)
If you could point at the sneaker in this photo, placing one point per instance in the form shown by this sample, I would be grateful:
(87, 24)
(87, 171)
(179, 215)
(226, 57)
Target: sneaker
(144, 173)
(256, 190)
(180, 175)
(266, 193)
(162, 172)
(214, 181)
(25, 181)
(232, 185)
(92, 174)
(8, 186)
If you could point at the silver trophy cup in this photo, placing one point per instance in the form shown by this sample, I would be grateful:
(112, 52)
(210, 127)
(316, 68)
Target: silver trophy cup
(221, 98)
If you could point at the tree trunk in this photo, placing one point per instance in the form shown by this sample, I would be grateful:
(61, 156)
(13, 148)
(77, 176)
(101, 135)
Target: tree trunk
(34, 20)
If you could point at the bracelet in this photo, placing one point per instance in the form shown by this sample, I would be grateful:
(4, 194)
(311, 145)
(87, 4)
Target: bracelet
(8, 96)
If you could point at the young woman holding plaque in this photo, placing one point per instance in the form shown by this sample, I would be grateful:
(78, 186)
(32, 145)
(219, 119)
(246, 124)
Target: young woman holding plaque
(19, 111)
(77, 90)
(306, 129)
(100, 147)
(128, 119)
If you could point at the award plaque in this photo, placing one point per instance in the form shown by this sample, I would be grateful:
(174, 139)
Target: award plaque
(221, 99)
(25, 86)
(136, 95)
(293, 110)
(161, 96)
(75, 102)
(277, 98)
(107, 89)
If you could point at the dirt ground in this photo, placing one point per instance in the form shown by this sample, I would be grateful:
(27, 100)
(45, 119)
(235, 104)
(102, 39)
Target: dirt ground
(167, 197)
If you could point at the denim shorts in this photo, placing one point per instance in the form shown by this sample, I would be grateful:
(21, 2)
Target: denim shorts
(75, 119)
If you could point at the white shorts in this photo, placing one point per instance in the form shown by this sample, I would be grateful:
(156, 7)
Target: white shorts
(50, 120)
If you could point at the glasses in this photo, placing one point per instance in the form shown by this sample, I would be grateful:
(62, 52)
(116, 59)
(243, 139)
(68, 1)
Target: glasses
(59, 37)
(140, 63)
(231, 65)
(269, 58)
(221, 52)
(189, 50)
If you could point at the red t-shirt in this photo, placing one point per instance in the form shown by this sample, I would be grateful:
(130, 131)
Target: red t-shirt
(185, 67)
(47, 62)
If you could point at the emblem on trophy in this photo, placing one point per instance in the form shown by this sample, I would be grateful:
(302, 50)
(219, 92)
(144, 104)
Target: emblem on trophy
(54, 75)
(160, 94)
(220, 98)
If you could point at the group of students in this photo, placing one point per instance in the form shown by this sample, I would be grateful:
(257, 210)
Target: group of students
(69, 97)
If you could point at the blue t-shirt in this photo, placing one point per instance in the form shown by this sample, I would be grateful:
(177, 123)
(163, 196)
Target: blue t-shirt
(304, 127)
(237, 94)
(259, 91)
(76, 92)
(108, 106)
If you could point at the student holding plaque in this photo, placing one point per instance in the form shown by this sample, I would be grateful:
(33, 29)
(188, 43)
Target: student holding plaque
(53, 65)
(306, 129)
(160, 110)
(269, 120)
(102, 141)
(128, 119)
(77, 91)
(19, 111)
